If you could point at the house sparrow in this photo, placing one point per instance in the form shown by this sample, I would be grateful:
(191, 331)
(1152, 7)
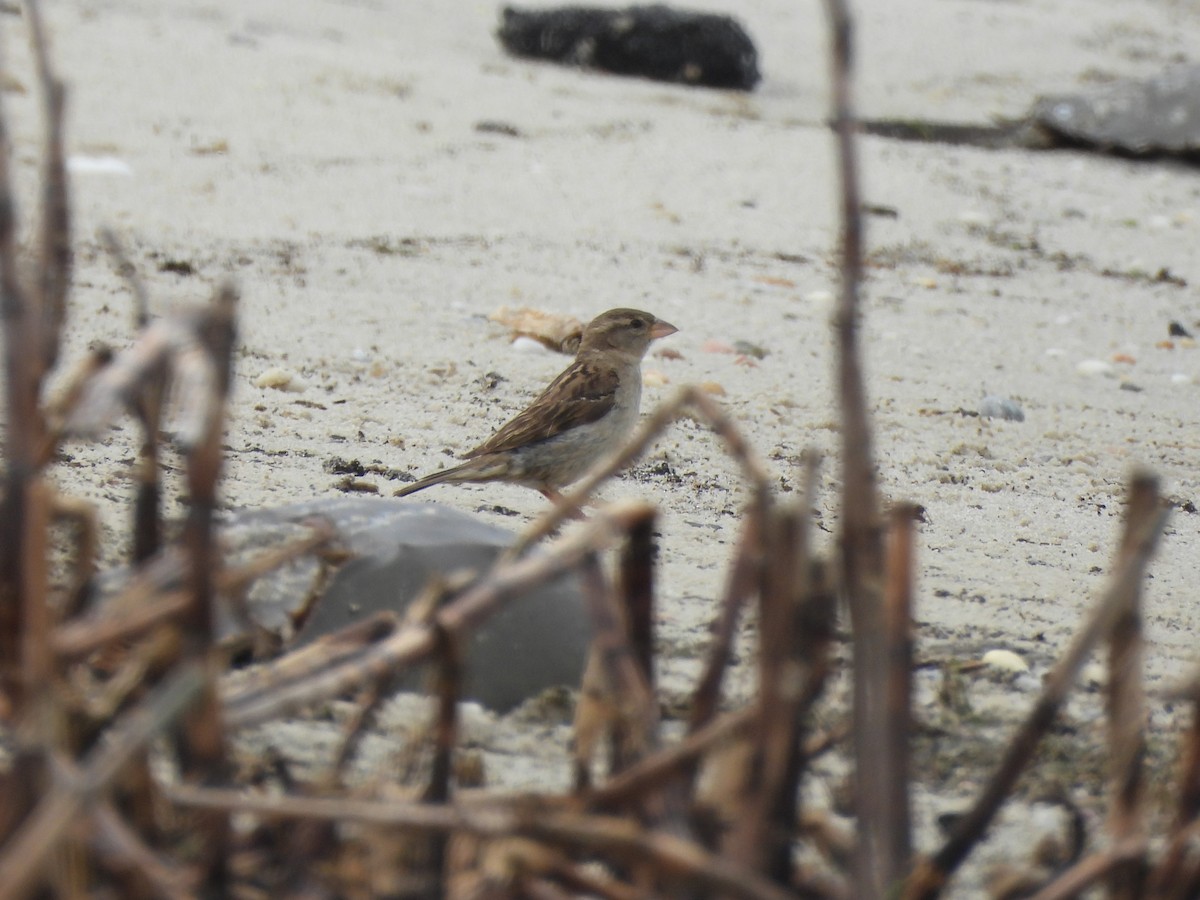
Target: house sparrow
(586, 413)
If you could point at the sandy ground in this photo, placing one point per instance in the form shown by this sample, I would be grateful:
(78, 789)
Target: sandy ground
(329, 156)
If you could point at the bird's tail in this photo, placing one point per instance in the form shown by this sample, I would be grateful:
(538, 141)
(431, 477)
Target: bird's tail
(481, 469)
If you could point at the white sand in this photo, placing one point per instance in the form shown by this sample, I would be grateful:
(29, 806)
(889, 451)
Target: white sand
(285, 143)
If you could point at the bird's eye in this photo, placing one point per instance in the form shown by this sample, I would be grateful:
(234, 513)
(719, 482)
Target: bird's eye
(639, 324)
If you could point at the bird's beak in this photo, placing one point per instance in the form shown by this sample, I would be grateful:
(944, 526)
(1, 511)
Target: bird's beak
(661, 329)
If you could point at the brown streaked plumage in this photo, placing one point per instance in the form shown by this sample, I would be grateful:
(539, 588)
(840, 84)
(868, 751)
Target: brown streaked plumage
(586, 413)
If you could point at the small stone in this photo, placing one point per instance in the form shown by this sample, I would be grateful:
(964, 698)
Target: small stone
(524, 344)
(820, 298)
(280, 379)
(1005, 661)
(993, 407)
(1092, 367)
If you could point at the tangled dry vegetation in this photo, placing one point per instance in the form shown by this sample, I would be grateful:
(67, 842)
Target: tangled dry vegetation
(90, 696)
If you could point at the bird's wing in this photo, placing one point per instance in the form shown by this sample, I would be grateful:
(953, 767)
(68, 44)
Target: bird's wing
(583, 393)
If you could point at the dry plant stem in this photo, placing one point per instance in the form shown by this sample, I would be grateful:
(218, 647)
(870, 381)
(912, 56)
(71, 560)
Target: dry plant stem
(200, 738)
(687, 397)
(1092, 869)
(57, 811)
(636, 572)
(147, 510)
(898, 636)
(23, 435)
(649, 772)
(445, 728)
(147, 501)
(760, 837)
(635, 724)
(861, 541)
(796, 625)
(618, 837)
(1127, 711)
(930, 874)
(323, 655)
(445, 733)
(54, 253)
(743, 579)
(263, 700)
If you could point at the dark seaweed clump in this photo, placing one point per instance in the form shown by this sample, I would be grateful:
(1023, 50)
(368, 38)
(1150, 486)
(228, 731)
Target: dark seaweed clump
(655, 42)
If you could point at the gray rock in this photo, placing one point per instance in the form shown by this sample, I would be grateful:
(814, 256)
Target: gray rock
(1159, 115)
(535, 642)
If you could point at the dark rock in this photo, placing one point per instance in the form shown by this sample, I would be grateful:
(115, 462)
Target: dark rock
(655, 42)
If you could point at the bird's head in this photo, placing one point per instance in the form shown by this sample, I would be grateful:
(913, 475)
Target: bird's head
(628, 331)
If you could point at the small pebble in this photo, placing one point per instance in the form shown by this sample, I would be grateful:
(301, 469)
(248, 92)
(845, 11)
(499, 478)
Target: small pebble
(98, 165)
(820, 298)
(523, 344)
(712, 387)
(1181, 378)
(1005, 661)
(1094, 367)
(993, 407)
(1176, 329)
(745, 348)
(714, 346)
(654, 378)
(280, 379)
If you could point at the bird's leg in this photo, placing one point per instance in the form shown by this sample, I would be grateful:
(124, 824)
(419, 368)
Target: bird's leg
(555, 497)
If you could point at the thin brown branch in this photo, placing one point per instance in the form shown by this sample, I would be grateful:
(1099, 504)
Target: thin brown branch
(55, 258)
(896, 847)
(635, 721)
(636, 588)
(861, 538)
(651, 771)
(1127, 710)
(200, 738)
(796, 626)
(743, 578)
